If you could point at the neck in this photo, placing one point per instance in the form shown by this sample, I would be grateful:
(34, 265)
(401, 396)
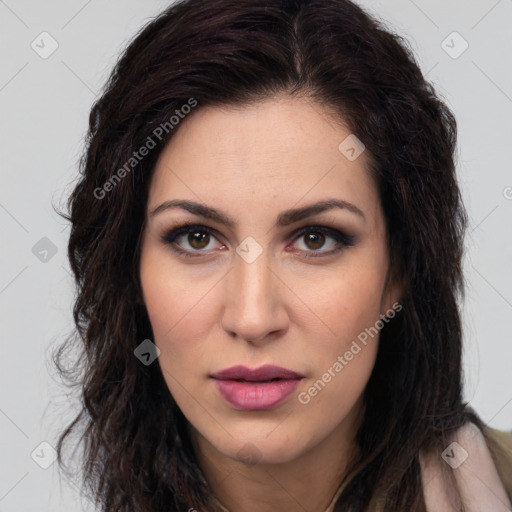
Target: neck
(308, 482)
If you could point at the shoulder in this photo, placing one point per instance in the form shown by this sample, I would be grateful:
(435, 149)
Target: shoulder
(466, 464)
(500, 444)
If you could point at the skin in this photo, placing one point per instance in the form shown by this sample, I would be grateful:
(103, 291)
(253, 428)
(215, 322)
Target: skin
(217, 310)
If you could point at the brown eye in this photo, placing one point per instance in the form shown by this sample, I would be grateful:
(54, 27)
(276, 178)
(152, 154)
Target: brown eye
(193, 240)
(198, 239)
(314, 240)
(317, 241)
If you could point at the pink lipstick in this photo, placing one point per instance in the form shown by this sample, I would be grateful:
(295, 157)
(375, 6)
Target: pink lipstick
(259, 389)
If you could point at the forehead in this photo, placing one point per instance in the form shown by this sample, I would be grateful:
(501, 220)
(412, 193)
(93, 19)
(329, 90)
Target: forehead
(283, 147)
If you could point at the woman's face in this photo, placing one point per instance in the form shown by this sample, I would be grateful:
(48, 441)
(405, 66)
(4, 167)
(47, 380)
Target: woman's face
(278, 285)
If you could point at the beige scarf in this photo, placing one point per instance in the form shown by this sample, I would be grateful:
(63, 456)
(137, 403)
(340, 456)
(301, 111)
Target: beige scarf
(468, 462)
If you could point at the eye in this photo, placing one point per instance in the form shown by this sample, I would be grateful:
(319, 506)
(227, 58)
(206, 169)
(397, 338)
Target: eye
(199, 239)
(314, 238)
(196, 236)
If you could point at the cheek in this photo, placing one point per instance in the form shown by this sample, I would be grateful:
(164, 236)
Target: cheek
(341, 363)
(184, 304)
(349, 302)
(170, 306)
(343, 355)
(174, 296)
(179, 303)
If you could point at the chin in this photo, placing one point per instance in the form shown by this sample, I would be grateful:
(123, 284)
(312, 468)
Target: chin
(254, 448)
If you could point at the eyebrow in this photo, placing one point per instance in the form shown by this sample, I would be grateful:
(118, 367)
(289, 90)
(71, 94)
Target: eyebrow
(284, 218)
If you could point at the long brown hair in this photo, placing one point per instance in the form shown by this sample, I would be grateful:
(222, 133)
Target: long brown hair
(136, 452)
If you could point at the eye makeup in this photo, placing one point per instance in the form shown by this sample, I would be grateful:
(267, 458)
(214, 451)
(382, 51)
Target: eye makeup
(319, 232)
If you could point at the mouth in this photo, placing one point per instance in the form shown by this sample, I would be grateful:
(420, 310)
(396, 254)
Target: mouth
(257, 389)
(262, 374)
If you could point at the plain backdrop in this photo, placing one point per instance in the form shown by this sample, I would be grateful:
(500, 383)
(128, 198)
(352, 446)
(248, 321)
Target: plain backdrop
(463, 46)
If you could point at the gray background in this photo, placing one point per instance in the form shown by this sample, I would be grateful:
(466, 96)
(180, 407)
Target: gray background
(44, 110)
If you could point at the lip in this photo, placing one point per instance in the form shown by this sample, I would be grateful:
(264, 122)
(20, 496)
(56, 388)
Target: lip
(248, 389)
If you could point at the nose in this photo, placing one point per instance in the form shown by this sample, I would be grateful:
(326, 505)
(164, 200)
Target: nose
(253, 302)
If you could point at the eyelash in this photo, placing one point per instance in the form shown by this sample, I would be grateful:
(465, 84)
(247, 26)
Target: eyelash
(342, 240)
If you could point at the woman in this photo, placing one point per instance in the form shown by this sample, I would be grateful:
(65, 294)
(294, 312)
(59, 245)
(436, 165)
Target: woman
(267, 239)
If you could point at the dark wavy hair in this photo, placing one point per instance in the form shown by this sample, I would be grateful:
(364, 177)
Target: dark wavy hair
(136, 452)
